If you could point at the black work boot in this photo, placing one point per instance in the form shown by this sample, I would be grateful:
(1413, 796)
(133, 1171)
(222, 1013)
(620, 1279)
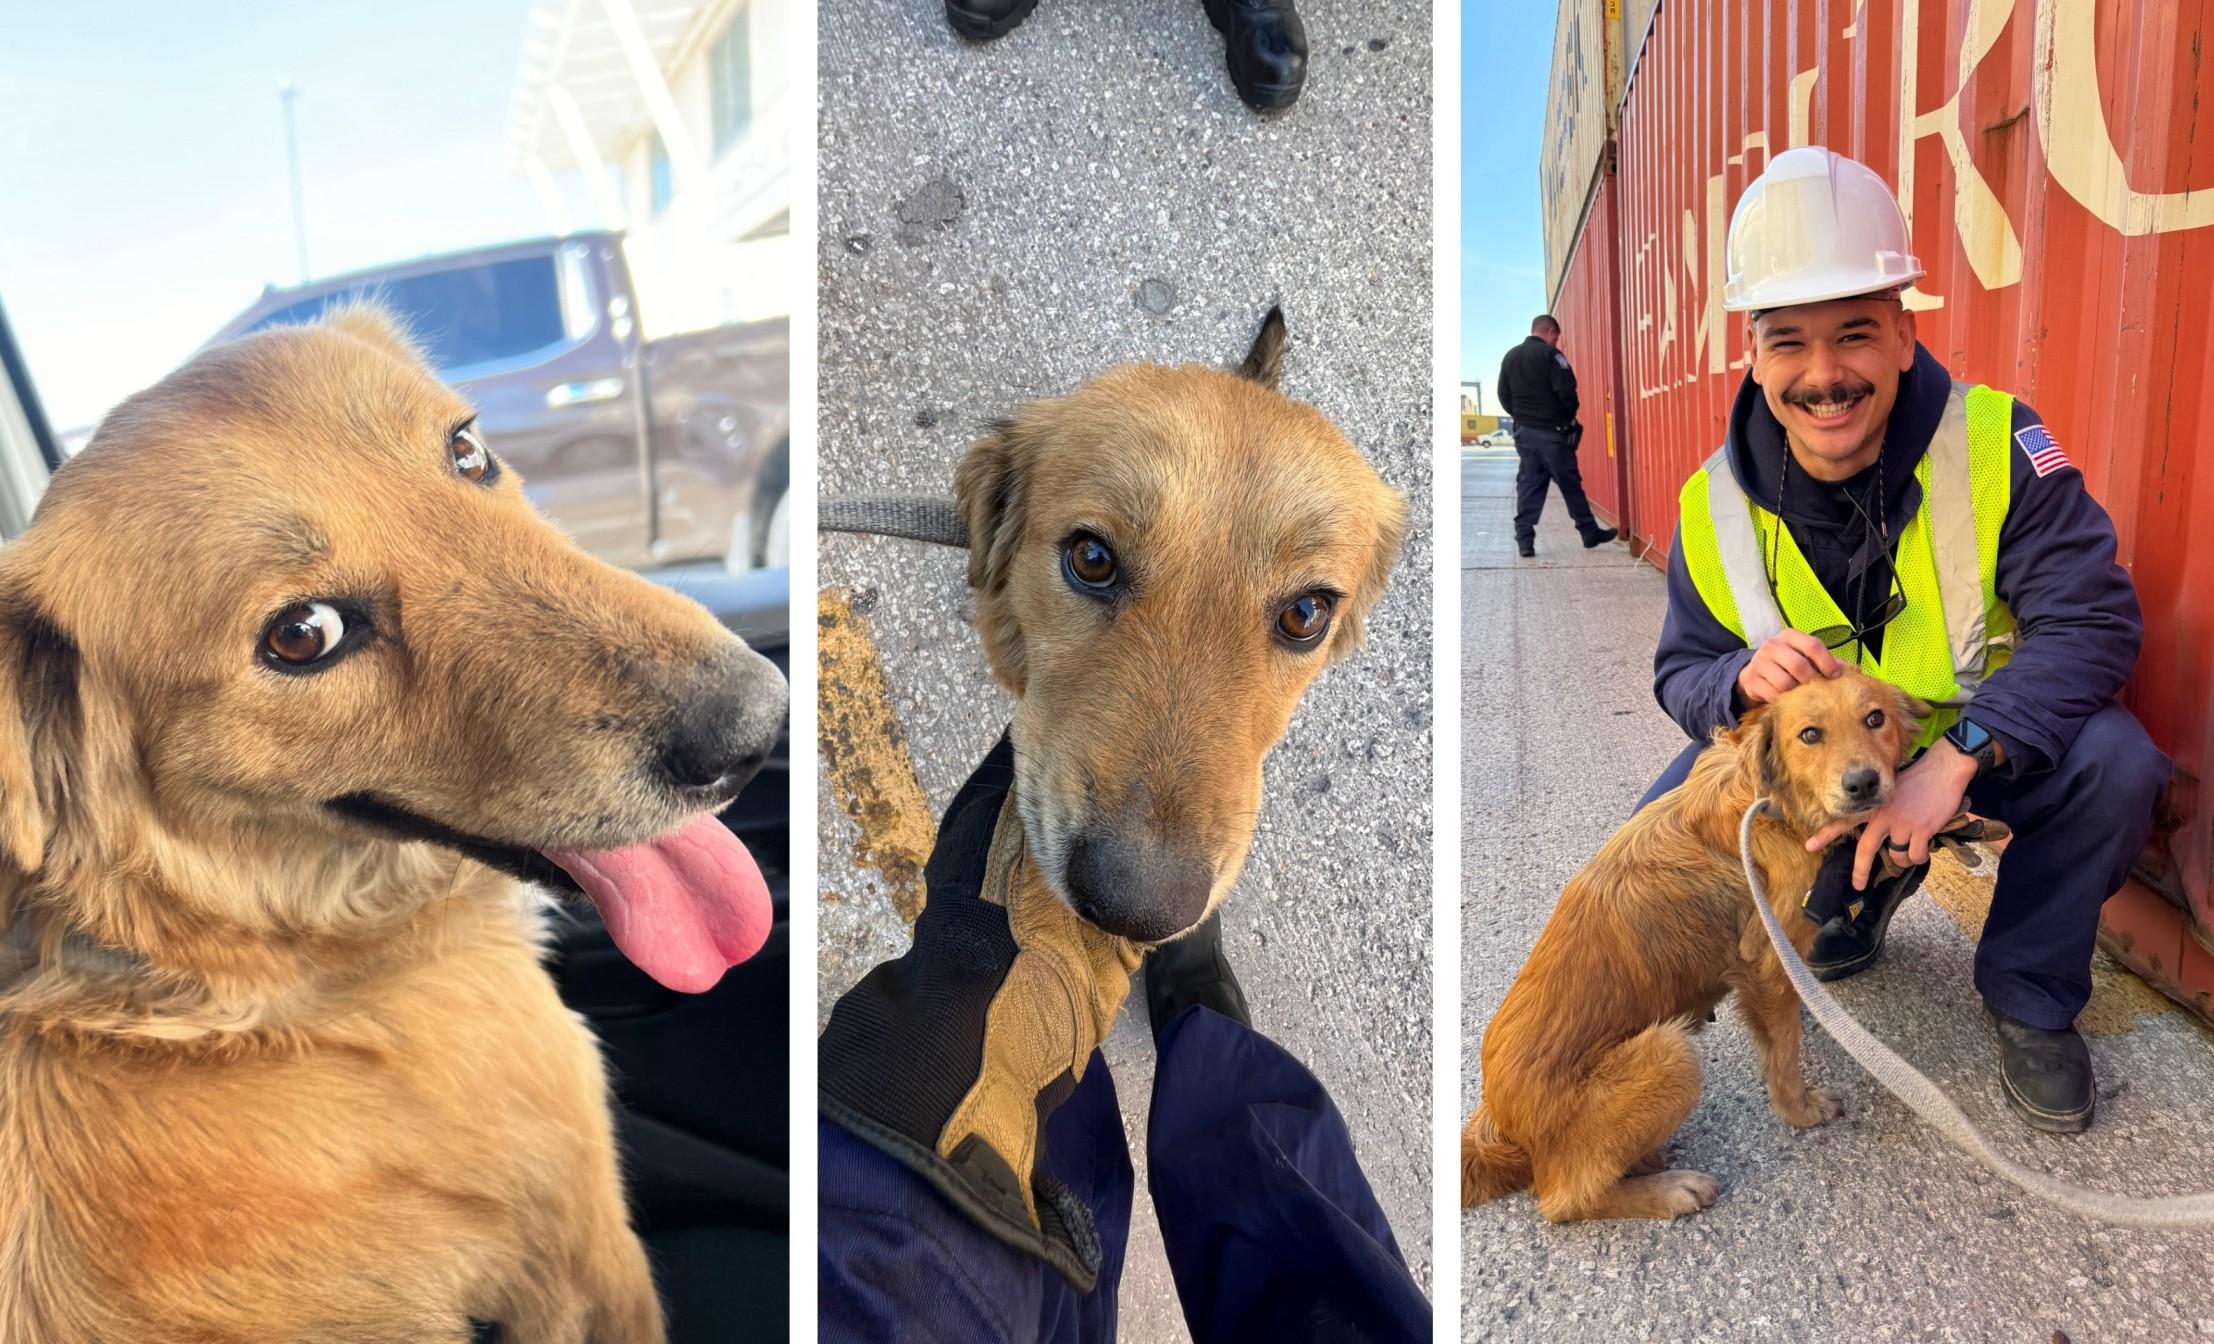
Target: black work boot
(1599, 538)
(1526, 546)
(1265, 47)
(1192, 971)
(983, 20)
(1848, 944)
(2046, 1075)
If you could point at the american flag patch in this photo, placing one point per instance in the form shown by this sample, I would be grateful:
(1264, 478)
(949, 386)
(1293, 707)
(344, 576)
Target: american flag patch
(2045, 453)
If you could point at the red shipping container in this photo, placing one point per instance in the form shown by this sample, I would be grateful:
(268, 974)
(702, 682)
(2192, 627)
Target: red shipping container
(2056, 159)
(1591, 336)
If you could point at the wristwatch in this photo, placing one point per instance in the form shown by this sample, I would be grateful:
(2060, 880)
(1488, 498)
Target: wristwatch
(1975, 742)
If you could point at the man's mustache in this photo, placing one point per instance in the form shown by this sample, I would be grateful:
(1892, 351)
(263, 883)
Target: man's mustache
(1845, 391)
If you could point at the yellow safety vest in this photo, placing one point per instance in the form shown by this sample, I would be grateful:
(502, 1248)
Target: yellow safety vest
(1954, 631)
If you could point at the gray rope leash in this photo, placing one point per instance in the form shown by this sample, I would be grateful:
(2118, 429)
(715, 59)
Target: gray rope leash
(914, 517)
(1927, 1100)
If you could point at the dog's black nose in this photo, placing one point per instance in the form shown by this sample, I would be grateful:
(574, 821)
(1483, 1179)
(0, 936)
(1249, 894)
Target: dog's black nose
(1145, 892)
(720, 737)
(1861, 783)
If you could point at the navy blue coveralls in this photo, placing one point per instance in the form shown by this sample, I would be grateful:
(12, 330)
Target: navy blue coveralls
(1272, 1231)
(1538, 388)
(2081, 777)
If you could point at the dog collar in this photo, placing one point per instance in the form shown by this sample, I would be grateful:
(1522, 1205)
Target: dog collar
(76, 953)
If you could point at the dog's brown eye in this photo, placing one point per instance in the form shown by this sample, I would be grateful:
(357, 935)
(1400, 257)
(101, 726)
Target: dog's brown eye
(1874, 719)
(1810, 735)
(1090, 562)
(471, 458)
(1304, 618)
(304, 633)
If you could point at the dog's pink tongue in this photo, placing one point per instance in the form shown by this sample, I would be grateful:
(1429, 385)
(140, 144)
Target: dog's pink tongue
(685, 908)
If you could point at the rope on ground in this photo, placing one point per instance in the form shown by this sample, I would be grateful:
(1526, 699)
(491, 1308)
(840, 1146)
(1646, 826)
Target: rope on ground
(914, 517)
(1927, 1100)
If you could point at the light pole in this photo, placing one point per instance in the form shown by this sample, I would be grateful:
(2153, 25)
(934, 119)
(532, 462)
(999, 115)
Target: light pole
(286, 93)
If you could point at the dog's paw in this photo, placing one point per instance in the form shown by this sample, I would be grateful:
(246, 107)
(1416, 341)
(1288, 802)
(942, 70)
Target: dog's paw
(1685, 1192)
(1657, 1160)
(1814, 1106)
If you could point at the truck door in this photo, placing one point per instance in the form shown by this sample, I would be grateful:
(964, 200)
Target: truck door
(546, 352)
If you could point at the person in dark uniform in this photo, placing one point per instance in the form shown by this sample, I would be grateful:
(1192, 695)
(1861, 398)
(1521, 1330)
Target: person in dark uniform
(1263, 42)
(1864, 508)
(1538, 388)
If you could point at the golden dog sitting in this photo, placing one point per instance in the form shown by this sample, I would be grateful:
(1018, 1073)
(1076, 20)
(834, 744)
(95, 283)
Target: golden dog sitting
(1588, 1066)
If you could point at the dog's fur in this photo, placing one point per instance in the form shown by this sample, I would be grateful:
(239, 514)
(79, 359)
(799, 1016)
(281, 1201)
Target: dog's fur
(1587, 1065)
(267, 1072)
(1142, 721)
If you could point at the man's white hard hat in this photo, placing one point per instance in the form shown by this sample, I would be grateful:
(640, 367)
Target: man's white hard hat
(1815, 226)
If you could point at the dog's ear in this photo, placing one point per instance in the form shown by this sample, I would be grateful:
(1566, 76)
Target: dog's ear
(1755, 740)
(372, 323)
(988, 487)
(40, 730)
(1264, 362)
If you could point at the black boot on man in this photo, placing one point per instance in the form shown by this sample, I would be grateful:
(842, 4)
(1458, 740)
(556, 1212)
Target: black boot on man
(1599, 536)
(1192, 972)
(2045, 1074)
(983, 20)
(1265, 47)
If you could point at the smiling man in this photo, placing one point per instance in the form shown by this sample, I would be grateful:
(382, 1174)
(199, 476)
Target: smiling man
(1866, 508)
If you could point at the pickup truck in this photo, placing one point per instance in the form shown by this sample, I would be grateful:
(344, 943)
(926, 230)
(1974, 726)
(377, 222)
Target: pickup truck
(650, 452)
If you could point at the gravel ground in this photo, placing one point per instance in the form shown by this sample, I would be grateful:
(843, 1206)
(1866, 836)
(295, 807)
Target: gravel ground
(1003, 221)
(1869, 1228)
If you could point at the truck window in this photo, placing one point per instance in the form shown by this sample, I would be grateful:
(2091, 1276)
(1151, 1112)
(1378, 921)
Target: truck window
(497, 313)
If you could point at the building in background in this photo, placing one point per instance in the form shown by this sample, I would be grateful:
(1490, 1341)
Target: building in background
(677, 113)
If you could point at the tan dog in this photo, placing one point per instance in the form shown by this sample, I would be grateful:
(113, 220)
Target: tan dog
(271, 1067)
(1588, 1067)
(1164, 559)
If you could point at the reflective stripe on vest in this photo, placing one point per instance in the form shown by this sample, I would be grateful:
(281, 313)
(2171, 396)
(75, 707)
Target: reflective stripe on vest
(1954, 631)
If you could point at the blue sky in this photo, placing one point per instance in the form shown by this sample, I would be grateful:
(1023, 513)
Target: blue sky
(1506, 55)
(143, 190)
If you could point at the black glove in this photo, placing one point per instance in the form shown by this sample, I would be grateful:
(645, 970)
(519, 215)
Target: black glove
(1832, 893)
(950, 1058)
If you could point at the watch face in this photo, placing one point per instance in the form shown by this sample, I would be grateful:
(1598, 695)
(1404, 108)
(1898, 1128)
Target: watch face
(1972, 738)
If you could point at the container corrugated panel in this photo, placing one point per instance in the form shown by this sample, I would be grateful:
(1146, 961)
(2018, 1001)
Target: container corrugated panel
(2057, 161)
(1577, 104)
(1589, 309)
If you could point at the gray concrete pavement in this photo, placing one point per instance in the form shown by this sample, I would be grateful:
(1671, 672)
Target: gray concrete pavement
(1003, 221)
(1870, 1228)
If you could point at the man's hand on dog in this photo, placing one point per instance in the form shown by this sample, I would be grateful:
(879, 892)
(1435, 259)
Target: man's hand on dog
(1784, 661)
(1926, 799)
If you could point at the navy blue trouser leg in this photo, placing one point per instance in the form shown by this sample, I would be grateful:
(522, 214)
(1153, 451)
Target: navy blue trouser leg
(1083, 1148)
(1548, 457)
(2077, 829)
(895, 1260)
(1570, 478)
(1530, 476)
(1271, 1229)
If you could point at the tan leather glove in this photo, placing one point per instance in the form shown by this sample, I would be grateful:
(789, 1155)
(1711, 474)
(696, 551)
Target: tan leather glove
(950, 1058)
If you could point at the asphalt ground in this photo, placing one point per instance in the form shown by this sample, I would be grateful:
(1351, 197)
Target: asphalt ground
(1871, 1227)
(1001, 222)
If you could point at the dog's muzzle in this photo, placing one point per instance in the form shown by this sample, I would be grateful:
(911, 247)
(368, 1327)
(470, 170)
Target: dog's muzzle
(1143, 892)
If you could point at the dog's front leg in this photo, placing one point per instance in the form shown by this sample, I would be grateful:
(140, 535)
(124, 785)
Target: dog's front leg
(626, 1309)
(598, 1291)
(1771, 1010)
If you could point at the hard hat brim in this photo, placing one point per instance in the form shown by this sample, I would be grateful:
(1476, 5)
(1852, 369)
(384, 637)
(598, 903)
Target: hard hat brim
(1765, 302)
